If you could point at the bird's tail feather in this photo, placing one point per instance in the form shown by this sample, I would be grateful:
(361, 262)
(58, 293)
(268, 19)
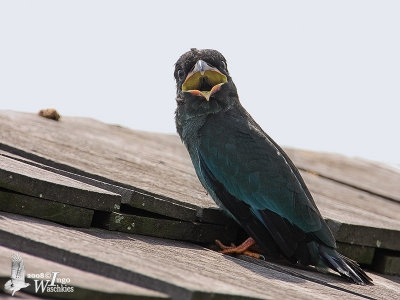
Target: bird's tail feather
(346, 267)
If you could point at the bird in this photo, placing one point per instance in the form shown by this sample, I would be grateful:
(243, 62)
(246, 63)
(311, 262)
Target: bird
(17, 281)
(247, 173)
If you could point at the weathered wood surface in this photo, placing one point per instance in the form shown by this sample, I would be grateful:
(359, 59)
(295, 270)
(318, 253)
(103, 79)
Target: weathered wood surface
(385, 287)
(366, 236)
(180, 210)
(85, 285)
(158, 172)
(362, 254)
(353, 225)
(44, 209)
(387, 263)
(160, 205)
(30, 180)
(356, 217)
(148, 161)
(181, 270)
(166, 228)
(369, 176)
(126, 194)
(385, 212)
(154, 164)
(21, 295)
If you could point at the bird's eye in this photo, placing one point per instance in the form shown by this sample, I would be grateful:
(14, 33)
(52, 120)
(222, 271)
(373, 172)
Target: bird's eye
(180, 74)
(223, 64)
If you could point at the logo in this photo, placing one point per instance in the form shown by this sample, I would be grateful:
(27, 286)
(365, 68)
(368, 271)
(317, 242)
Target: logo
(52, 284)
(17, 281)
(45, 282)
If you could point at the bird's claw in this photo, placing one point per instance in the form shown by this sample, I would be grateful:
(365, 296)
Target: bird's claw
(224, 247)
(241, 249)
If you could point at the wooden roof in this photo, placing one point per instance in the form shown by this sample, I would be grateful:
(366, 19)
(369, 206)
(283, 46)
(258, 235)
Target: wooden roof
(126, 206)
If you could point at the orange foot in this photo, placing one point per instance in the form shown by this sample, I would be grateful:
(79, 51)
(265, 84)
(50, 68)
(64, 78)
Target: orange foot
(241, 249)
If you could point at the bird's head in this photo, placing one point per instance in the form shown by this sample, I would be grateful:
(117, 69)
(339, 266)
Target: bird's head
(202, 79)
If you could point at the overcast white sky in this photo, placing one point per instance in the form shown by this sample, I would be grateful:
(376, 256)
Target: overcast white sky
(319, 75)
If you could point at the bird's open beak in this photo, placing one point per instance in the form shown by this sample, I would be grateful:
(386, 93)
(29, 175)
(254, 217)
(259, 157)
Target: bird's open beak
(203, 80)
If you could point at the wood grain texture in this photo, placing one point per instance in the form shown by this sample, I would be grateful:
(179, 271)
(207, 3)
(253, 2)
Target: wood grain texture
(45, 209)
(362, 254)
(181, 270)
(385, 287)
(358, 173)
(149, 161)
(86, 285)
(126, 194)
(157, 169)
(30, 180)
(387, 263)
(376, 207)
(156, 204)
(366, 236)
(165, 228)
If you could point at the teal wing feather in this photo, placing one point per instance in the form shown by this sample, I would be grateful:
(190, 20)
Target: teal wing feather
(253, 169)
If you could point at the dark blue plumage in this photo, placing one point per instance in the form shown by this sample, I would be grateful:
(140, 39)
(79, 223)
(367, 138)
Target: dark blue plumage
(246, 172)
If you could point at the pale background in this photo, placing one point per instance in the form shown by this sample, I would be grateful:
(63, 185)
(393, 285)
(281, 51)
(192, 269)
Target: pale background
(319, 75)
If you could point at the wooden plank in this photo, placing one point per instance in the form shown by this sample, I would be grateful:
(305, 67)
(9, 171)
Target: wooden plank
(36, 182)
(41, 208)
(181, 270)
(158, 169)
(135, 197)
(165, 228)
(358, 173)
(369, 219)
(148, 201)
(365, 236)
(361, 254)
(385, 287)
(214, 215)
(387, 263)
(141, 161)
(126, 194)
(158, 205)
(386, 212)
(85, 284)
(20, 294)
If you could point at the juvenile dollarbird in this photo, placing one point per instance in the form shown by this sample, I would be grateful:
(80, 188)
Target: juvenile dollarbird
(246, 173)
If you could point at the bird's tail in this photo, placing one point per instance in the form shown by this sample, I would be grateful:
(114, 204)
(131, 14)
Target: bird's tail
(346, 267)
